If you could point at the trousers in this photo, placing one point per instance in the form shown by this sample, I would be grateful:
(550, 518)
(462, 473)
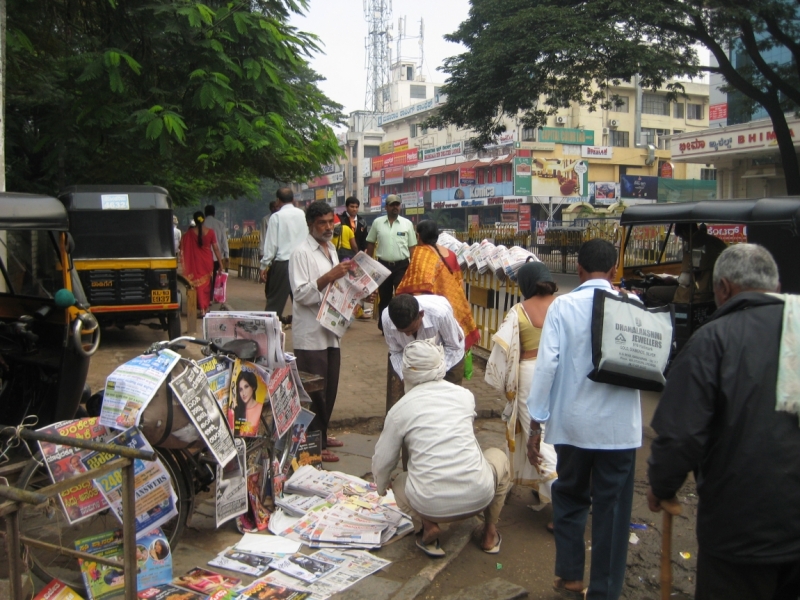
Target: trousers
(325, 363)
(386, 289)
(602, 480)
(277, 287)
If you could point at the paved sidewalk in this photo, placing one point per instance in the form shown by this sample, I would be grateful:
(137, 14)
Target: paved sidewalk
(362, 384)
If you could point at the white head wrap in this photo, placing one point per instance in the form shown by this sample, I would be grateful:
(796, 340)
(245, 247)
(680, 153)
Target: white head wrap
(423, 361)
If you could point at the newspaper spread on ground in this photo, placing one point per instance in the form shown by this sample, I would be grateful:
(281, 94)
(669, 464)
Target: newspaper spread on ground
(303, 567)
(264, 328)
(86, 499)
(131, 386)
(231, 496)
(239, 561)
(155, 500)
(284, 399)
(192, 391)
(218, 372)
(342, 296)
(353, 566)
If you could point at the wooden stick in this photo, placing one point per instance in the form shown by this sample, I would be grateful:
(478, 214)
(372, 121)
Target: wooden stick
(671, 507)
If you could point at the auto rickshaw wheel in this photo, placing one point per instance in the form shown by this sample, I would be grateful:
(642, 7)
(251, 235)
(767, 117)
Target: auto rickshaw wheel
(49, 523)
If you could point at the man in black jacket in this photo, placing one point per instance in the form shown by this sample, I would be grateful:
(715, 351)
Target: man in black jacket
(354, 222)
(717, 417)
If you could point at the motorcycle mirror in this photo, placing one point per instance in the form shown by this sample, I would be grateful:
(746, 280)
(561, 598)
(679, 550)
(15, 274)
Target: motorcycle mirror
(64, 298)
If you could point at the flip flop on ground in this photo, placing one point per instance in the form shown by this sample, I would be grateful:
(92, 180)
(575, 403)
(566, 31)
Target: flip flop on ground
(332, 442)
(328, 456)
(574, 591)
(496, 548)
(433, 549)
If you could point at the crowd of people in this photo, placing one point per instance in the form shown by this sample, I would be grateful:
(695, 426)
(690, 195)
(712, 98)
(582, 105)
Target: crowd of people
(729, 412)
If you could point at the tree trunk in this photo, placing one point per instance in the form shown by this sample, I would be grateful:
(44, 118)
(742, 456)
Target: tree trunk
(791, 166)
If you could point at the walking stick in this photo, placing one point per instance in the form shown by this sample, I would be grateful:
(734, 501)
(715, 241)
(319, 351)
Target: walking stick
(671, 507)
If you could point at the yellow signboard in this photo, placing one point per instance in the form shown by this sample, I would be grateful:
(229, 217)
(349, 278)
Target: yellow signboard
(319, 194)
(386, 147)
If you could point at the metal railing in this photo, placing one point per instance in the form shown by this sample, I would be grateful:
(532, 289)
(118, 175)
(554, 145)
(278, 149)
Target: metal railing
(245, 255)
(15, 498)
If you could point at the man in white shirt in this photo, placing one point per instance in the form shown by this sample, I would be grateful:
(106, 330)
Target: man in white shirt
(423, 317)
(595, 428)
(176, 234)
(312, 267)
(448, 477)
(287, 229)
(212, 222)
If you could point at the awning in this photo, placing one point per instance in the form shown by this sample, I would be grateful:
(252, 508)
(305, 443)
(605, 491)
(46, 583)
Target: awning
(418, 173)
(372, 180)
(502, 160)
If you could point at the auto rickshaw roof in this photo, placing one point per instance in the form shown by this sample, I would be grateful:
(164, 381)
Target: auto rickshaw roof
(32, 211)
(779, 210)
(99, 197)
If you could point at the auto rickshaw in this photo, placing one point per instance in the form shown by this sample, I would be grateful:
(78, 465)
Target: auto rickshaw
(47, 334)
(649, 248)
(125, 254)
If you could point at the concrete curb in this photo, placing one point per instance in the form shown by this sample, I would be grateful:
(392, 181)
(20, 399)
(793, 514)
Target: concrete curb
(494, 589)
(458, 540)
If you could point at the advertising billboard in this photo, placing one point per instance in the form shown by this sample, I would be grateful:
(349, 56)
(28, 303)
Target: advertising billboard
(639, 186)
(565, 177)
(522, 175)
(466, 176)
(392, 175)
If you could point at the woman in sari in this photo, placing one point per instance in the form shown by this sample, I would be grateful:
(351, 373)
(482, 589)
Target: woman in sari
(198, 261)
(510, 370)
(434, 270)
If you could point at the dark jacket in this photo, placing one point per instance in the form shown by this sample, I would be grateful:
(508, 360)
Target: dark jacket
(717, 415)
(360, 230)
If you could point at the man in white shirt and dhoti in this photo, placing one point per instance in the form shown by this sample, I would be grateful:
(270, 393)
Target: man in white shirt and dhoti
(449, 478)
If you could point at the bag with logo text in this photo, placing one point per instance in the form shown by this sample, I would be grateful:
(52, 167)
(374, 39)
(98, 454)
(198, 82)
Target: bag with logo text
(631, 344)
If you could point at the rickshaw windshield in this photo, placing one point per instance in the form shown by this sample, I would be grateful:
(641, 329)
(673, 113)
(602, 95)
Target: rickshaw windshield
(30, 262)
(651, 245)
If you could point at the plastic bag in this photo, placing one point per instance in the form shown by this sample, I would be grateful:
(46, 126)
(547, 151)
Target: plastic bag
(221, 287)
(468, 365)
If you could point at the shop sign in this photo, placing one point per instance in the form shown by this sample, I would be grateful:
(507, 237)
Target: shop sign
(523, 168)
(410, 199)
(409, 156)
(504, 139)
(392, 175)
(319, 194)
(386, 147)
(511, 203)
(331, 179)
(542, 146)
(366, 168)
(375, 204)
(506, 226)
(730, 234)
(718, 112)
(454, 149)
(415, 211)
(563, 135)
(711, 144)
(597, 152)
(466, 176)
(459, 203)
(399, 145)
(667, 170)
(524, 217)
(410, 111)
(328, 169)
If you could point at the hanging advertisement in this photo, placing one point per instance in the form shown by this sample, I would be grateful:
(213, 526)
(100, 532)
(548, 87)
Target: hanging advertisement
(466, 176)
(392, 175)
(375, 204)
(565, 177)
(524, 217)
(639, 186)
(522, 175)
(605, 192)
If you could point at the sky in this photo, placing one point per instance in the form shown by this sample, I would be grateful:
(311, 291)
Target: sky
(342, 29)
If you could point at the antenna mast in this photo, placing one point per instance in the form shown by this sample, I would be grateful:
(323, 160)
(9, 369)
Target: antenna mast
(378, 14)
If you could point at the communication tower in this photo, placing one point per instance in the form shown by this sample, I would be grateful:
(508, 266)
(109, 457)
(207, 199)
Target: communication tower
(378, 14)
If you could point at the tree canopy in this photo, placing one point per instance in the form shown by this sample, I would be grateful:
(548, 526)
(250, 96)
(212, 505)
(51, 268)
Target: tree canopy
(528, 58)
(203, 98)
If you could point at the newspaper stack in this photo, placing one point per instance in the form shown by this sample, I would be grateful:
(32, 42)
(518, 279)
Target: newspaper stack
(331, 572)
(296, 505)
(515, 258)
(264, 328)
(342, 296)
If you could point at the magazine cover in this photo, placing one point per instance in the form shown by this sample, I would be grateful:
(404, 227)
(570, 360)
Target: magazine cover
(83, 500)
(153, 557)
(205, 581)
(303, 567)
(242, 562)
(218, 372)
(247, 397)
(57, 590)
(262, 590)
(310, 451)
(169, 592)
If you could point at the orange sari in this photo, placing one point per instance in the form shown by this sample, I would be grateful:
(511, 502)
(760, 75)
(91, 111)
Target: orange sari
(427, 274)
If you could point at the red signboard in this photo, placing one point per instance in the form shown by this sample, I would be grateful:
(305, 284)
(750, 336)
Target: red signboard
(667, 170)
(717, 112)
(730, 234)
(403, 157)
(392, 175)
(466, 176)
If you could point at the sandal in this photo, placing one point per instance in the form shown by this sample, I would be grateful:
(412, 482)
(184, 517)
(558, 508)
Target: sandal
(332, 442)
(496, 548)
(559, 585)
(328, 456)
(434, 550)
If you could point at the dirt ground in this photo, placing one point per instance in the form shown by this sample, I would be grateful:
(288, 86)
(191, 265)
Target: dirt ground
(528, 550)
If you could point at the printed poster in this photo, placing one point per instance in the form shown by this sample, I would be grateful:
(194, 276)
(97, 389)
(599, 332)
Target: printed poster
(83, 500)
(131, 386)
(284, 399)
(248, 395)
(231, 497)
(192, 391)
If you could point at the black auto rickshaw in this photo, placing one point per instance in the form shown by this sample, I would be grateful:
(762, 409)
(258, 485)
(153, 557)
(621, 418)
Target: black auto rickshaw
(47, 335)
(650, 249)
(125, 254)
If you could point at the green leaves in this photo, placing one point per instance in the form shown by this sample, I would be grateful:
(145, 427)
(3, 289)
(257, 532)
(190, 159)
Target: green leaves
(203, 98)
